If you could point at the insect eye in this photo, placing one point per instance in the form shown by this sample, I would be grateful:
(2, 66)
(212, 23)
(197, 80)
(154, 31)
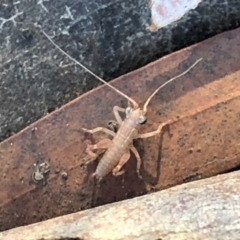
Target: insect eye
(128, 110)
(142, 120)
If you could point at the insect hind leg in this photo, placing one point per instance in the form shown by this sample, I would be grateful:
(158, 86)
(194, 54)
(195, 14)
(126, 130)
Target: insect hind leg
(102, 144)
(139, 160)
(125, 157)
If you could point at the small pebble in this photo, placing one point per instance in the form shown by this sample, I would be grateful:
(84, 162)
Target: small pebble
(64, 175)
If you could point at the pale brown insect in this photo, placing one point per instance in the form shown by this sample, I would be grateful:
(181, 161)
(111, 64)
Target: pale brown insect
(118, 149)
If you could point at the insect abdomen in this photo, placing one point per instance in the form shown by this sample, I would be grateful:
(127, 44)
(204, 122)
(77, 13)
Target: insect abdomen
(113, 154)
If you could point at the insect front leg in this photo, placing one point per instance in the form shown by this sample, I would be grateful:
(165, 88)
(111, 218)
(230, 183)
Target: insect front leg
(116, 110)
(114, 125)
(125, 157)
(151, 134)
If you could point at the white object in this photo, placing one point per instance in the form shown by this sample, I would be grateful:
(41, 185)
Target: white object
(165, 12)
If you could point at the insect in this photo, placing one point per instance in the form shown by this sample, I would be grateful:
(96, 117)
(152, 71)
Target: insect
(118, 149)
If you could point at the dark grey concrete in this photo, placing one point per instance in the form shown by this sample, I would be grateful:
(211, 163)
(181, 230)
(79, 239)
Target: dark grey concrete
(110, 37)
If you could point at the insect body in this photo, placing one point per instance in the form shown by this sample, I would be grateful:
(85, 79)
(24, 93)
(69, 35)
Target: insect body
(118, 149)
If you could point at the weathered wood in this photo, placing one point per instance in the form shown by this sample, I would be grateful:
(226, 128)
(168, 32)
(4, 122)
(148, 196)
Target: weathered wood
(205, 209)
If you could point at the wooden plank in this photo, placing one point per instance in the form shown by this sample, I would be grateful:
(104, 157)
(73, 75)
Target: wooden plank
(205, 209)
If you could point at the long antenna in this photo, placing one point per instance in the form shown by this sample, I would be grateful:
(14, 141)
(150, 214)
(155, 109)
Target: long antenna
(167, 82)
(93, 74)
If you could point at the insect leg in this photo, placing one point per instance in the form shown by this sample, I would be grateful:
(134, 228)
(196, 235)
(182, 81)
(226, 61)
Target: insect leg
(116, 111)
(139, 161)
(151, 134)
(99, 129)
(113, 125)
(125, 157)
(102, 144)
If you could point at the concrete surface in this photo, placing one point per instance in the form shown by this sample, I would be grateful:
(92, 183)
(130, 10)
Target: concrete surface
(109, 37)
